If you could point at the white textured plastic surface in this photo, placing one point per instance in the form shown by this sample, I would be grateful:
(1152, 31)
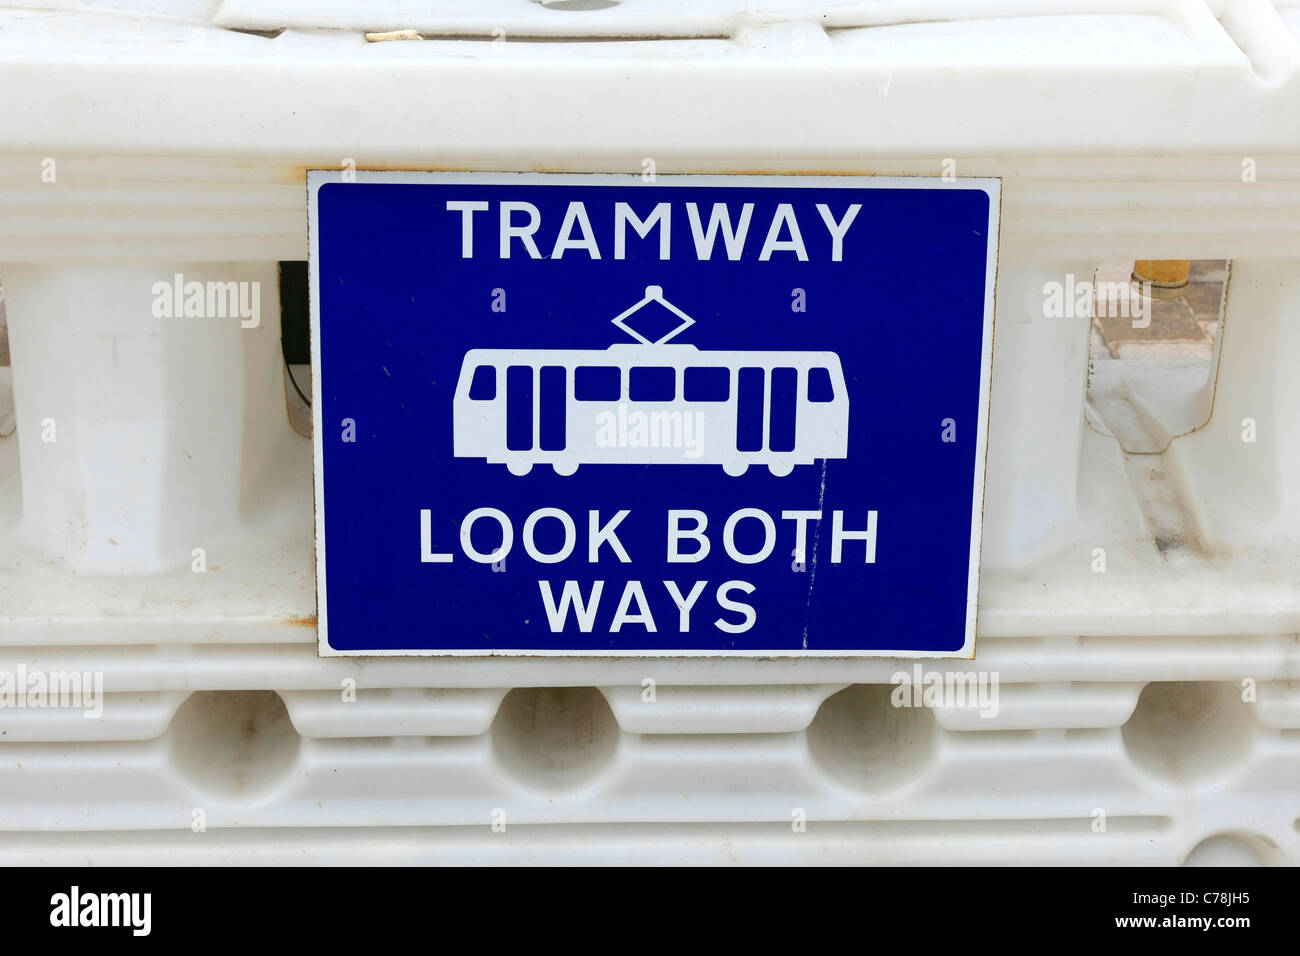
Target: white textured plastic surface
(1120, 129)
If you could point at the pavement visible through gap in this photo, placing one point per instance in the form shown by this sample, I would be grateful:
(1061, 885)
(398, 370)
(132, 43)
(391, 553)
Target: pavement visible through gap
(1181, 328)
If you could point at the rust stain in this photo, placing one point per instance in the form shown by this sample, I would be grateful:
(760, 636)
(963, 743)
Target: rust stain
(300, 172)
(308, 621)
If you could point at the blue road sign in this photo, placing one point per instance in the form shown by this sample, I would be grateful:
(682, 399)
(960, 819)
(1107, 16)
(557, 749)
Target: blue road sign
(590, 414)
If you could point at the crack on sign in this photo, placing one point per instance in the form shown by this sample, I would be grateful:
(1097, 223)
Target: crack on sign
(817, 536)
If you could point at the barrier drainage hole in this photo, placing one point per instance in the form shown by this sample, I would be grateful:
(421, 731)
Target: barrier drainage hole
(1190, 732)
(578, 4)
(234, 744)
(1235, 849)
(554, 738)
(860, 738)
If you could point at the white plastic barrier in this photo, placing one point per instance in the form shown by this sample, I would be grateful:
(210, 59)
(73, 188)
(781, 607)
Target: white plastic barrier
(1142, 711)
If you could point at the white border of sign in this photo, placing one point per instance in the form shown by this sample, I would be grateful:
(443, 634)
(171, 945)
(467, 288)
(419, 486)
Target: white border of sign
(993, 187)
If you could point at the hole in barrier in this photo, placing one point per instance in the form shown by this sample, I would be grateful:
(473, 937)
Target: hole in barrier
(554, 738)
(1153, 351)
(1235, 849)
(265, 34)
(295, 343)
(1190, 733)
(861, 739)
(578, 4)
(234, 744)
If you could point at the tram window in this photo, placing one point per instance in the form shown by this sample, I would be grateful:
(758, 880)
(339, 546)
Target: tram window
(819, 385)
(596, 383)
(483, 387)
(707, 384)
(653, 384)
